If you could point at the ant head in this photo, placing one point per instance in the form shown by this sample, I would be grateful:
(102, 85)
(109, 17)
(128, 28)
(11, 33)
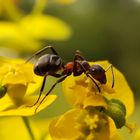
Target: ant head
(98, 73)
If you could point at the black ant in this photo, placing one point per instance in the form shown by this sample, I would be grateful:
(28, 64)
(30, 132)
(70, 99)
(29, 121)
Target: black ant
(51, 64)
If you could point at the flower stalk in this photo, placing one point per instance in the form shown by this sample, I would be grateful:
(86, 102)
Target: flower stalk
(27, 124)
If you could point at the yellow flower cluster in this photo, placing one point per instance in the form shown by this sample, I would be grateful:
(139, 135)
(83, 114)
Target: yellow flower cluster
(27, 31)
(94, 116)
(20, 83)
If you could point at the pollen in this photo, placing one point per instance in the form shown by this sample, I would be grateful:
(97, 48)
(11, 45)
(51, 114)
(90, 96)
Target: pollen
(90, 124)
(91, 121)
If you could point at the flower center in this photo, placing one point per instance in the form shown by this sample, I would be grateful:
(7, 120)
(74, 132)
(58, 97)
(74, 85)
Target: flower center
(90, 122)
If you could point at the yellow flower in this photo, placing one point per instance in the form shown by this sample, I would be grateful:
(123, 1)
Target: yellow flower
(20, 82)
(10, 125)
(96, 115)
(45, 27)
(26, 32)
(137, 135)
(81, 90)
(82, 124)
(15, 34)
(17, 124)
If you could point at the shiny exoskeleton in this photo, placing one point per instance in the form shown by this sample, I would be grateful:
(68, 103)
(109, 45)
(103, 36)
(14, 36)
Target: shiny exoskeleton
(53, 65)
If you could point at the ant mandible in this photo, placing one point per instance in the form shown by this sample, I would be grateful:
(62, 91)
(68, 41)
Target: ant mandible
(50, 64)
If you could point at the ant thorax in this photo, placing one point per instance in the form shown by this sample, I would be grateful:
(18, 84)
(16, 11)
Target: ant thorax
(68, 68)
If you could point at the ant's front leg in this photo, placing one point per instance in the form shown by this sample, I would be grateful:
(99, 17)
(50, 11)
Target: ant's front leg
(113, 79)
(41, 51)
(80, 66)
(78, 56)
(85, 70)
(76, 68)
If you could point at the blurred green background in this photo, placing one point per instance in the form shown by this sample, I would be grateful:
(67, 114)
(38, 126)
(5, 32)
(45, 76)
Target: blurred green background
(101, 30)
(104, 30)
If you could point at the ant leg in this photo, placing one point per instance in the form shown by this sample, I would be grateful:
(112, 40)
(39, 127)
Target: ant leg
(56, 75)
(113, 79)
(41, 51)
(88, 75)
(77, 57)
(53, 86)
(94, 82)
(41, 90)
(43, 85)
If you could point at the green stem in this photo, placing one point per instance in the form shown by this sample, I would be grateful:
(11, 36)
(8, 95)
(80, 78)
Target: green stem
(39, 6)
(26, 122)
(13, 12)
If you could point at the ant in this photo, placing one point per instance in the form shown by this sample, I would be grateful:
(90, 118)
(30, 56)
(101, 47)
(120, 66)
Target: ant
(51, 64)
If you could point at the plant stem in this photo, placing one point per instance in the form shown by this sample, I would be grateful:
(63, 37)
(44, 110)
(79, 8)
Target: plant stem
(39, 6)
(26, 122)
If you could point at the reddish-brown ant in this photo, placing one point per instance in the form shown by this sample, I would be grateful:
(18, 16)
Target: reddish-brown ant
(51, 64)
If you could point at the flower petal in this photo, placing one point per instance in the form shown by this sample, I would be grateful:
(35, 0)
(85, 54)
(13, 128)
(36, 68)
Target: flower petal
(16, 92)
(75, 95)
(116, 137)
(112, 127)
(63, 128)
(11, 37)
(72, 125)
(14, 124)
(95, 100)
(16, 71)
(24, 110)
(45, 27)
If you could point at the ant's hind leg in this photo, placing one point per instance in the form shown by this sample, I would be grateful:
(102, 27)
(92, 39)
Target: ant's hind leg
(42, 87)
(41, 90)
(53, 86)
(41, 51)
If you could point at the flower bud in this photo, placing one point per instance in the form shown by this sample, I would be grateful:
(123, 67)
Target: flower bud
(117, 111)
(120, 103)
